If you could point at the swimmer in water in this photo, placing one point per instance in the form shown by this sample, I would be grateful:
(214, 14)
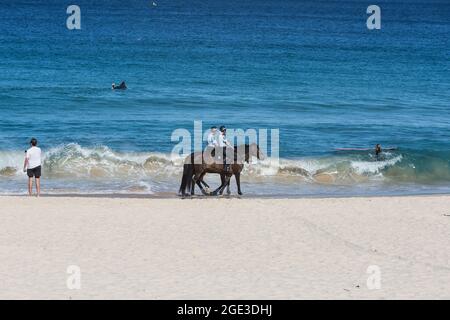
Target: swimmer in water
(378, 151)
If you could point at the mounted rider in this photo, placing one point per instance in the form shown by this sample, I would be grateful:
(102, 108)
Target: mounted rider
(225, 144)
(212, 137)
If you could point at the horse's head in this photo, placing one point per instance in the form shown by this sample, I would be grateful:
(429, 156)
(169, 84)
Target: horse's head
(254, 151)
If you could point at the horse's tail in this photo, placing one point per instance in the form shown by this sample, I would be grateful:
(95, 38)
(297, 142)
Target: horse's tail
(190, 174)
(186, 180)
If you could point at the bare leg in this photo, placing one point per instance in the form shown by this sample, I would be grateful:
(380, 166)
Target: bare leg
(30, 186)
(38, 186)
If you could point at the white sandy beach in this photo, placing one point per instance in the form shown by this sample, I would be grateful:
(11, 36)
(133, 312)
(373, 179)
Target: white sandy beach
(225, 248)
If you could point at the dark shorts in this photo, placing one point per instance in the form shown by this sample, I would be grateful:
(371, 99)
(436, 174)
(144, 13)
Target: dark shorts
(35, 172)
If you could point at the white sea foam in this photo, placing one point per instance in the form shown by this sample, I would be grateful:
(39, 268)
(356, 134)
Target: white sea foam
(74, 161)
(72, 168)
(374, 167)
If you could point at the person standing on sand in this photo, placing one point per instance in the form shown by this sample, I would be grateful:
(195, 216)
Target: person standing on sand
(32, 166)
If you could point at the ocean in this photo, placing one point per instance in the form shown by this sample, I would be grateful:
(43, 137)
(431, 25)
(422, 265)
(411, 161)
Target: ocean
(311, 69)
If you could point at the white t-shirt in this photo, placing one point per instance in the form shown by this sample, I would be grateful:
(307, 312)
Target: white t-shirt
(34, 157)
(212, 141)
(223, 142)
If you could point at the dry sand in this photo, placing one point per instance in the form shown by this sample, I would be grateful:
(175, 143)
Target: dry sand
(225, 248)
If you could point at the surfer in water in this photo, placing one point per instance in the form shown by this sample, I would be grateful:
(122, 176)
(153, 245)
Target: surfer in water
(121, 86)
(378, 151)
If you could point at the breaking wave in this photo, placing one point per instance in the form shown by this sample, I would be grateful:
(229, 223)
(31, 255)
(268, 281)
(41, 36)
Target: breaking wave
(76, 162)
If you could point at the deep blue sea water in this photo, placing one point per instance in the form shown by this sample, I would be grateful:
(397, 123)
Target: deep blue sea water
(311, 69)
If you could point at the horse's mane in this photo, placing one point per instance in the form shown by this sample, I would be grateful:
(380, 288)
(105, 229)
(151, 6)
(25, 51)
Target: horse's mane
(247, 146)
(247, 150)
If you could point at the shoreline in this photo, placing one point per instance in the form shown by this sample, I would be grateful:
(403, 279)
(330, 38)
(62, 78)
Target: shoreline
(315, 248)
(168, 195)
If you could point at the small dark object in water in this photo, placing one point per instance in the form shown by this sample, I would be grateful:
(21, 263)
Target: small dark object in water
(121, 86)
(378, 151)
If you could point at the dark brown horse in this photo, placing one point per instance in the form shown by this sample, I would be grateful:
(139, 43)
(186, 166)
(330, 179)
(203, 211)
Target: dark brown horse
(195, 168)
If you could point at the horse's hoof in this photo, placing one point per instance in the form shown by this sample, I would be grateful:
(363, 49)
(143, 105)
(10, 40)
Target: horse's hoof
(240, 193)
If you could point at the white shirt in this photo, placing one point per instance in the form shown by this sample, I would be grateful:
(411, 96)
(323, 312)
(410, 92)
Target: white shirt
(223, 142)
(212, 140)
(34, 157)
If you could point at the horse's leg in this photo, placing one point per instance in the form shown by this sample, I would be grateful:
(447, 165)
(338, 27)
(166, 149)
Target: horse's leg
(237, 176)
(199, 183)
(201, 187)
(224, 184)
(198, 180)
(204, 183)
(220, 188)
(194, 182)
(205, 192)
